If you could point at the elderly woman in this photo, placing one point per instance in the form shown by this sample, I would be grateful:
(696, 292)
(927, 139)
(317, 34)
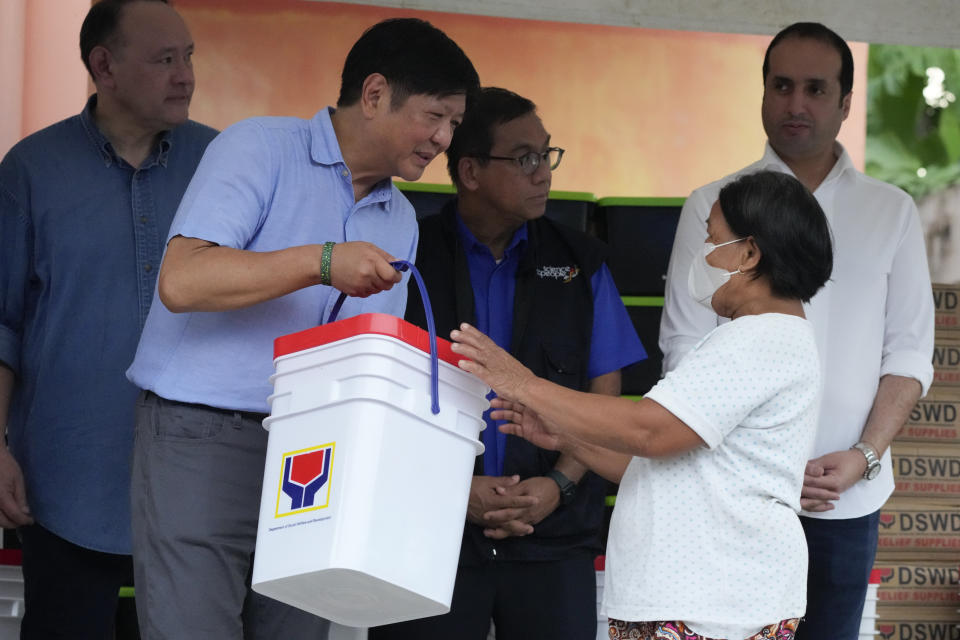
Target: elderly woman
(704, 540)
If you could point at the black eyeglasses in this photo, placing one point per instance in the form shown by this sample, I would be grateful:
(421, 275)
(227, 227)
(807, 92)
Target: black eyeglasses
(529, 162)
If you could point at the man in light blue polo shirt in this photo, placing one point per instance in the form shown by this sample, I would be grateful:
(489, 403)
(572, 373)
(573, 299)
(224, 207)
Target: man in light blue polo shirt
(282, 215)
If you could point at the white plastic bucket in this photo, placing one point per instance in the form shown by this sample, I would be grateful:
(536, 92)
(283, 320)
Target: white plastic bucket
(365, 488)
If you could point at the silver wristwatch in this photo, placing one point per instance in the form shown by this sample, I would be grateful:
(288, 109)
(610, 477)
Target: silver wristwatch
(873, 461)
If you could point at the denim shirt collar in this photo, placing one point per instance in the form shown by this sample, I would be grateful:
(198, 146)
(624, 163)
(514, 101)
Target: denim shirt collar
(157, 157)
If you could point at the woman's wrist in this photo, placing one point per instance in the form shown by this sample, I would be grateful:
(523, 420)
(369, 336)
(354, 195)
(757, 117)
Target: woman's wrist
(525, 391)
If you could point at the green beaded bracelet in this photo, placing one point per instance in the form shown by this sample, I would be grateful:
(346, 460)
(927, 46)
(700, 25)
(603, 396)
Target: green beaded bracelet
(325, 258)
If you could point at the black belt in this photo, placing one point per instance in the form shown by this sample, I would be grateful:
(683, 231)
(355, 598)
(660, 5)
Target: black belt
(246, 415)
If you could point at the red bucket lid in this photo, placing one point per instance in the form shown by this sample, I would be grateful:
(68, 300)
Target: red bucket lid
(367, 323)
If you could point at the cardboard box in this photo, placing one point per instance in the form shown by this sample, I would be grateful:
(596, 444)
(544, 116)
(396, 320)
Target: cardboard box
(927, 583)
(946, 306)
(935, 419)
(926, 471)
(918, 623)
(919, 529)
(946, 360)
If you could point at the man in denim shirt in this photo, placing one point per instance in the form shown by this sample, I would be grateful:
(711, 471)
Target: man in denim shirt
(85, 205)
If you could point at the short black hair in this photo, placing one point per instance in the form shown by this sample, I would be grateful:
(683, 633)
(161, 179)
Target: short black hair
(414, 56)
(789, 227)
(821, 33)
(101, 27)
(474, 137)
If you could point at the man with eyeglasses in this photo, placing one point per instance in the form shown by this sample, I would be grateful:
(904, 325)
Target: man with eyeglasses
(543, 291)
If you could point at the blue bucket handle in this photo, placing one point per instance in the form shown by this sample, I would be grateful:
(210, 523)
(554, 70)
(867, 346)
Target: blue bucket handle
(403, 265)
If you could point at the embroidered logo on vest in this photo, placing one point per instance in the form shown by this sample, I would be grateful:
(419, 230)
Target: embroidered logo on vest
(558, 273)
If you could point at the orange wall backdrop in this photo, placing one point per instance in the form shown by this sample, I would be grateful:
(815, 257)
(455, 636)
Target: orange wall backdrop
(641, 112)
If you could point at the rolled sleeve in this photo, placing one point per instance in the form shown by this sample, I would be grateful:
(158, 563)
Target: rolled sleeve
(909, 322)
(909, 365)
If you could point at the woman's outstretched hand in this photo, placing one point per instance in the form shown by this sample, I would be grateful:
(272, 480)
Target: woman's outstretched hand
(501, 371)
(524, 423)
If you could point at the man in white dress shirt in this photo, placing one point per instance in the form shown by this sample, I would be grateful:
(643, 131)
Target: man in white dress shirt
(873, 319)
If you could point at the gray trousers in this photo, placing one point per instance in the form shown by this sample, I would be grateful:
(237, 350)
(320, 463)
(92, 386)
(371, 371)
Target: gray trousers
(195, 493)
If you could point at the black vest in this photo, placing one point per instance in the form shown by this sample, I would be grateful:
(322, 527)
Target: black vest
(552, 325)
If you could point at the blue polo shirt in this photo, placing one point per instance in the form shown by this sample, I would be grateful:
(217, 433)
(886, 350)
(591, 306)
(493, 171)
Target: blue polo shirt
(613, 343)
(81, 235)
(267, 184)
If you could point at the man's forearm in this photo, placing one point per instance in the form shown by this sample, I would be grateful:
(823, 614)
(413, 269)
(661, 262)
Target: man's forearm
(199, 276)
(896, 397)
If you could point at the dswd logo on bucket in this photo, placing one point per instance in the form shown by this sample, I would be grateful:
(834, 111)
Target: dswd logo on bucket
(305, 480)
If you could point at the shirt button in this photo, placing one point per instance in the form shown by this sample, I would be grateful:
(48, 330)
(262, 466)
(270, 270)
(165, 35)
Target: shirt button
(344, 173)
(143, 219)
(148, 267)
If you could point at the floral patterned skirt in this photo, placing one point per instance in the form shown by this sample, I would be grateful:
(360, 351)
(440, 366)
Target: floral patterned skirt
(620, 630)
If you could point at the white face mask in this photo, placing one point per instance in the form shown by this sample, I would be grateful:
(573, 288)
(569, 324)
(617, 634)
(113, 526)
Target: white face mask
(704, 278)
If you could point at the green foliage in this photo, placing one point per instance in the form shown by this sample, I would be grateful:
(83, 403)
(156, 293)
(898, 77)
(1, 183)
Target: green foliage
(905, 134)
